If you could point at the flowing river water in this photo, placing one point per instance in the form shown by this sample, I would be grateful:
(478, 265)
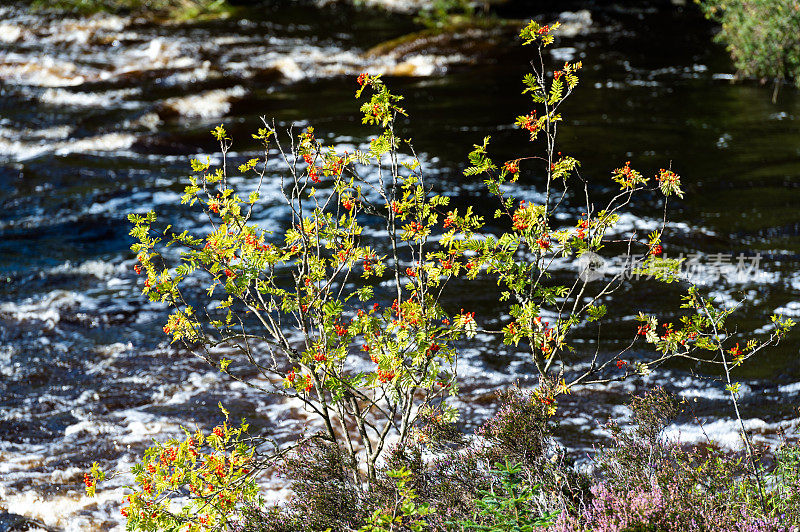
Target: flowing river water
(98, 118)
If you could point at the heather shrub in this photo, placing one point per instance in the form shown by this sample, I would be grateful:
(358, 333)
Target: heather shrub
(402, 512)
(648, 482)
(510, 472)
(785, 496)
(641, 455)
(522, 428)
(523, 431)
(661, 510)
(326, 493)
(448, 476)
(640, 460)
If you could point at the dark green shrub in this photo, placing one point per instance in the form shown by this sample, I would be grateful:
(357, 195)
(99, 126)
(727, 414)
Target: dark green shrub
(510, 506)
(763, 36)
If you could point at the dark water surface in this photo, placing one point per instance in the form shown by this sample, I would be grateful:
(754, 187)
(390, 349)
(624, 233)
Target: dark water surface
(99, 117)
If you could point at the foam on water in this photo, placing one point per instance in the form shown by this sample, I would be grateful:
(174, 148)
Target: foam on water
(48, 309)
(20, 150)
(117, 98)
(726, 432)
(46, 72)
(210, 104)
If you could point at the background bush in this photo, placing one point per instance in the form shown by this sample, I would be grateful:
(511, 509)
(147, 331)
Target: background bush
(763, 36)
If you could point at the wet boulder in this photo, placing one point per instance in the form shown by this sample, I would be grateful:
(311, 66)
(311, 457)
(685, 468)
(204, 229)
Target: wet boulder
(465, 39)
(15, 523)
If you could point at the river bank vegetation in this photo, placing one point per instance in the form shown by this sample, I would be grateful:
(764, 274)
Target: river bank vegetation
(172, 9)
(761, 35)
(303, 312)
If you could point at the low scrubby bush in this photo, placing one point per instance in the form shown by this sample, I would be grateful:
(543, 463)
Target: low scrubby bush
(642, 481)
(648, 482)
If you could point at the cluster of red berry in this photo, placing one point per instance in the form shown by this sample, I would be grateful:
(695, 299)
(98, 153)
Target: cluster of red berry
(531, 123)
(543, 242)
(313, 171)
(432, 349)
(385, 375)
(520, 220)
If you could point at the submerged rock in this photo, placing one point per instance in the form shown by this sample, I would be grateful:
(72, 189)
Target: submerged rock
(467, 38)
(464, 38)
(14, 523)
(399, 6)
